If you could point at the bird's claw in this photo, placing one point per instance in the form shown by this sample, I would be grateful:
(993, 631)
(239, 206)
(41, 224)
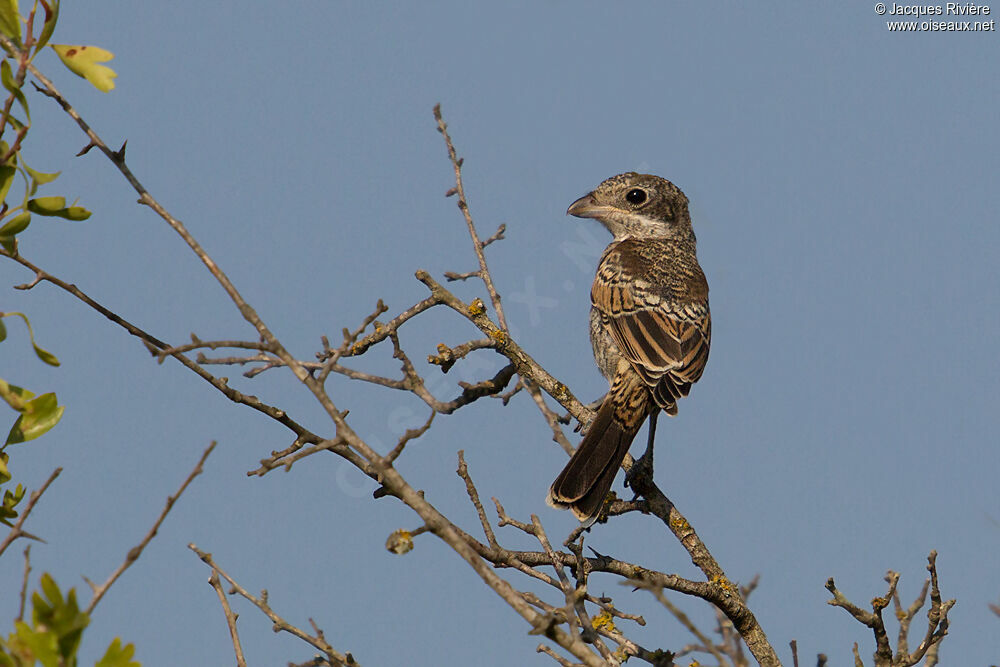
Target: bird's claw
(641, 470)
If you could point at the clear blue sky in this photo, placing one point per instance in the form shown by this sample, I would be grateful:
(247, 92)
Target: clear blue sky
(843, 185)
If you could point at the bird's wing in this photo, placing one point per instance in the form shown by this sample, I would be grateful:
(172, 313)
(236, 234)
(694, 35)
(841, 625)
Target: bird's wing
(666, 339)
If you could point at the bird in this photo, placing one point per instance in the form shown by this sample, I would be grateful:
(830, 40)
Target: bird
(650, 327)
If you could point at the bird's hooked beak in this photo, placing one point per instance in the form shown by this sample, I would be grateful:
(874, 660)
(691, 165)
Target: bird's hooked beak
(586, 207)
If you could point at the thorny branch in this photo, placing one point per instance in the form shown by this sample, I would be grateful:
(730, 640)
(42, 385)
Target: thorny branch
(269, 352)
(346, 442)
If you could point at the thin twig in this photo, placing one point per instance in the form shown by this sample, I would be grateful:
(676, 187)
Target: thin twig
(470, 488)
(17, 530)
(704, 642)
(286, 457)
(136, 551)
(563, 662)
(937, 616)
(279, 624)
(525, 365)
(411, 434)
(24, 583)
(230, 618)
(463, 205)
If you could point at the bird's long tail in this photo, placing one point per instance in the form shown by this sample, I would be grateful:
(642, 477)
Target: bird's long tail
(585, 481)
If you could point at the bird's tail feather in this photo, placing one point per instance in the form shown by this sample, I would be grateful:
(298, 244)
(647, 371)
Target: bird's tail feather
(585, 481)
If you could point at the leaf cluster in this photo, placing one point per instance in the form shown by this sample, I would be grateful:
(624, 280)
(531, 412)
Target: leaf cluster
(53, 636)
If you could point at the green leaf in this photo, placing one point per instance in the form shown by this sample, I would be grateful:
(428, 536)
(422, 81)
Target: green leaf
(15, 396)
(14, 121)
(82, 61)
(75, 213)
(16, 225)
(9, 243)
(42, 354)
(118, 655)
(6, 175)
(46, 205)
(55, 207)
(45, 356)
(7, 77)
(10, 20)
(39, 177)
(38, 417)
(51, 590)
(10, 501)
(60, 615)
(4, 147)
(41, 645)
(4, 471)
(51, 16)
(3, 331)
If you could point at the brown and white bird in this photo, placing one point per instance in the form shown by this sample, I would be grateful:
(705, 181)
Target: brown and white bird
(650, 326)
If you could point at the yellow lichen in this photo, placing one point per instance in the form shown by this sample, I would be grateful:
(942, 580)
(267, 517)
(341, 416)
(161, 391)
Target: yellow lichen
(400, 542)
(604, 620)
(723, 583)
(621, 655)
(477, 307)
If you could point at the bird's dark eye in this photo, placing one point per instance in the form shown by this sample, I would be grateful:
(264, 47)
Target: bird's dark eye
(635, 196)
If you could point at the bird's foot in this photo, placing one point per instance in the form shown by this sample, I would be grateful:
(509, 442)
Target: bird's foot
(640, 471)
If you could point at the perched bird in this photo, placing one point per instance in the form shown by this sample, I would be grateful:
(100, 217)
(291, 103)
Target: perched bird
(650, 326)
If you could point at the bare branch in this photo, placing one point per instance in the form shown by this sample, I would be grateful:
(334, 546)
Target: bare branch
(219, 383)
(447, 356)
(136, 551)
(463, 204)
(17, 530)
(411, 434)
(525, 365)
(24, 583)
(470, 488)
(937, 617)
(350, 348)
(41, 275)
(551, 418)
(451, 276)
(348, 444)
(198, 344)
(279, 624)
(295, 452)
(498, 235)
(230, 618)
(118, 159)
(563, 662)
(704, 643)
(937, 620)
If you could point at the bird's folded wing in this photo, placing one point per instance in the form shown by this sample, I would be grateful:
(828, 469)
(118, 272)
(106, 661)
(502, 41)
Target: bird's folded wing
(667, 344)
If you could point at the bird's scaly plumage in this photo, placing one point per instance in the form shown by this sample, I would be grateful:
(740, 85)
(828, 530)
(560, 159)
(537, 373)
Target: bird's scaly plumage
(650, 325)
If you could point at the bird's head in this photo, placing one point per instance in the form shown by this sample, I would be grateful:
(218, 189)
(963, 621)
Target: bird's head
(635, 205)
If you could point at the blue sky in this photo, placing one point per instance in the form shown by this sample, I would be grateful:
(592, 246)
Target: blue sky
(843, 186)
